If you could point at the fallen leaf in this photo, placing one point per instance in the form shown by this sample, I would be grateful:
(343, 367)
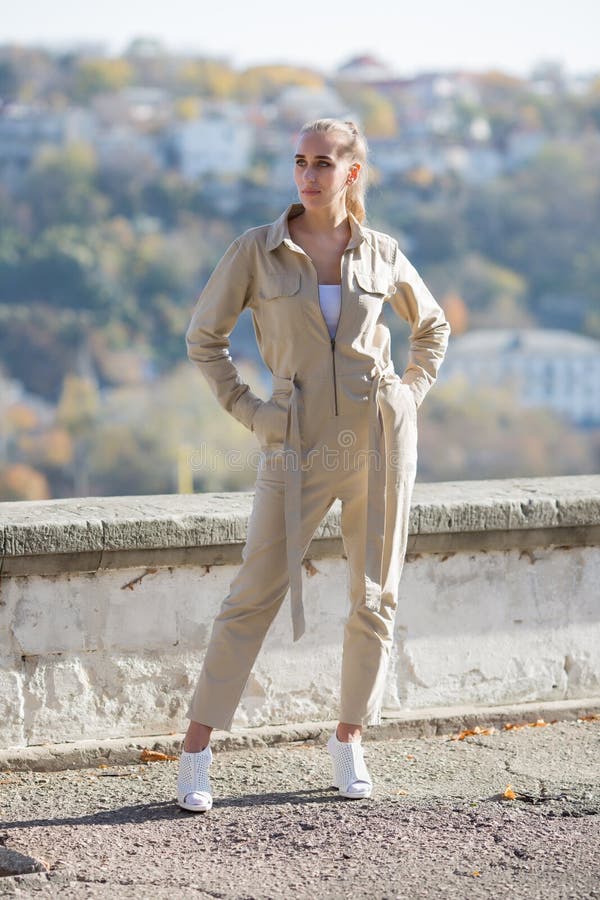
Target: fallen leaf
(155, 756)
(471, 732)
(509, 794)
(591, 718)
(409, 756)
(401, 792)
(476, 873)
(513, 726)
(310, 568)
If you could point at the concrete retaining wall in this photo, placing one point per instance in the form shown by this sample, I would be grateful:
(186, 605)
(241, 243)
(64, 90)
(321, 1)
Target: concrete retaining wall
(106, 605)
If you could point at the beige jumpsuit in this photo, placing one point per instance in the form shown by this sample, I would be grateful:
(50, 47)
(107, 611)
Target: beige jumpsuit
(340, 423)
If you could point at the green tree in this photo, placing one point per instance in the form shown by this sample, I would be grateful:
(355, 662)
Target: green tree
(267, 81)
(207, 77)
(96, 76)
(61, 187)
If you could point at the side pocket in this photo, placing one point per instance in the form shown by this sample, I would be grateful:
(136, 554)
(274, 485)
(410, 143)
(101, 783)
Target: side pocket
(269, 423)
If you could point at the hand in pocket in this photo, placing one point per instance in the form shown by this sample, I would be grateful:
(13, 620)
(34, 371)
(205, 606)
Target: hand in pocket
(269, 423)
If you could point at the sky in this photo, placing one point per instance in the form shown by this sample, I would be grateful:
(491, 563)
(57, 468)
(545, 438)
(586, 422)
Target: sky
(512, 35)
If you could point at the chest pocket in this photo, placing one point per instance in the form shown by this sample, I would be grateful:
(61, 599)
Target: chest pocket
(376, 284)
(279, 286)
(371, 290)
(279, 308)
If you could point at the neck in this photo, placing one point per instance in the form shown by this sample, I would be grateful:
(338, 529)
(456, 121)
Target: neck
(325, 221)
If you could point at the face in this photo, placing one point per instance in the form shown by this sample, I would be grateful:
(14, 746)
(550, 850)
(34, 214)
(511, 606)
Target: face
(321, 172)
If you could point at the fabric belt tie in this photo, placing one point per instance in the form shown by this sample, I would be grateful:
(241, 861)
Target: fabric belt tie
(379, 460)
(381, 439)
(292, 466)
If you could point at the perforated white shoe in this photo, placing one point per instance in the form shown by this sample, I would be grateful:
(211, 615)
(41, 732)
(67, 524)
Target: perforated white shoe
(350, 774)
(194, 792)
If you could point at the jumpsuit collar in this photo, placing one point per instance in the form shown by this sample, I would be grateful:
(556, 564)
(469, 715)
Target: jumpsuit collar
(279, 231)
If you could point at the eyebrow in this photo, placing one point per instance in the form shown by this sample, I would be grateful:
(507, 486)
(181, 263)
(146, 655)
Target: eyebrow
(318, 156)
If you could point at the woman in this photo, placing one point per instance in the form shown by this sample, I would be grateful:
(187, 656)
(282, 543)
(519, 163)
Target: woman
(339, 423)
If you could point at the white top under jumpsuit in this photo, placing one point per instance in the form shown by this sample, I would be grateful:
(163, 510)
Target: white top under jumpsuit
(330, 299)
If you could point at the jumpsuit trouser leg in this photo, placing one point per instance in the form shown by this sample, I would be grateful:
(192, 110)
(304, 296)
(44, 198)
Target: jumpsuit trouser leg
(369, 633)
(255, 596)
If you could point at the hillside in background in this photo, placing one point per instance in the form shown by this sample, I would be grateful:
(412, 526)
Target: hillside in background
(123, 180)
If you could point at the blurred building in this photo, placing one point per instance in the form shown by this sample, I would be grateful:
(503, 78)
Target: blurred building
(145, 108)
(122, 147)
(550, 368)
(221, 142)
(298, 104)
(25, 129)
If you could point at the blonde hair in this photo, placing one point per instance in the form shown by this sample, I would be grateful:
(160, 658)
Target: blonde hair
(355, 146)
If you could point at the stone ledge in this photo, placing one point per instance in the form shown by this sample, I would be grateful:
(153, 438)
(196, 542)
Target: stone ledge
(524, 539)
(93, 533)
(412, 723)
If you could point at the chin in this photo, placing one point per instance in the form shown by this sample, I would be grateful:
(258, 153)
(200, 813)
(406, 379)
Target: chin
(314, 200)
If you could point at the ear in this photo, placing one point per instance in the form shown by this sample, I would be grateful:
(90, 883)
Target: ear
(354, 171)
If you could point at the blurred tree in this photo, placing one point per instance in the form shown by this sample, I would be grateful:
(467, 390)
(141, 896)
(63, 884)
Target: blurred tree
(62, 270)
(38, 345)
(377, 114)
(77, 411)
(266, 82)
(50, 448)
(589, 106)
(19, 481)
(138, 442)
(78, 404)
(9, 82)
(438, 232)
(486, 433)
(542, 222)
(61, 187)
(456, 312)
(188, 108)
(168, 197)
(207, 77)
(494, 295)
(21, 417)
(421, 176)
(96, 76)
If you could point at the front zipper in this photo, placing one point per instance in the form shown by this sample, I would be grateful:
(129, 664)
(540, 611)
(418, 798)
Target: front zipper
(334, 381)
(331, 339)
(332, 342)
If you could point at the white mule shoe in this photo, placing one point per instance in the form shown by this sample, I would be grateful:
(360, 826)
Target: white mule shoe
(193, 785)
(350, 774)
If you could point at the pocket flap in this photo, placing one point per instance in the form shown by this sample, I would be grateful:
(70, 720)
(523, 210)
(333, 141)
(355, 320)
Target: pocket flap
(280, 285)
(373, 282)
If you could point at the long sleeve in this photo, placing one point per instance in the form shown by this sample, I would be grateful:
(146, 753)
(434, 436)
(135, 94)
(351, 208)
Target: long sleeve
(217, 310)
(430, 329)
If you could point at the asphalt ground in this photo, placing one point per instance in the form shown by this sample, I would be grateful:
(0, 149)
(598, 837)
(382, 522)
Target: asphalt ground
(513, 812)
